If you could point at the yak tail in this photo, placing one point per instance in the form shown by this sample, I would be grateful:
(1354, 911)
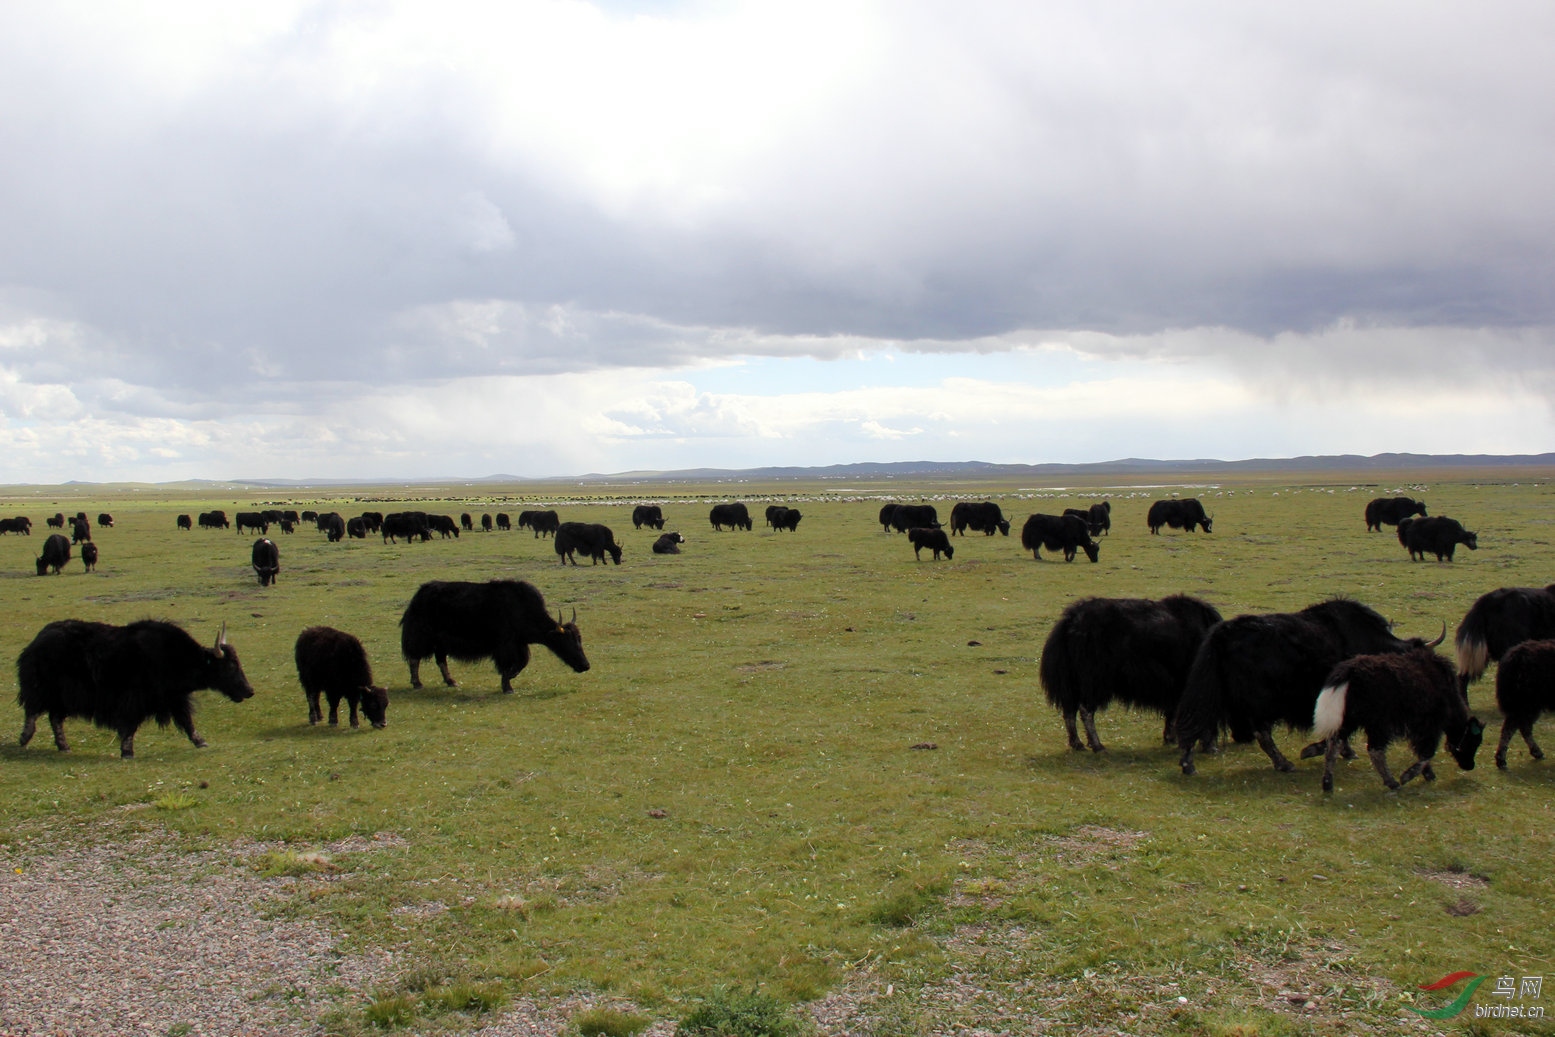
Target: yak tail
(1202, 709)
(1473, 651)
(1056, 671)
(1328, 717)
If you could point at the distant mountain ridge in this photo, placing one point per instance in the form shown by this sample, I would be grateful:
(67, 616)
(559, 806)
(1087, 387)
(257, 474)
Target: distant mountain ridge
(1128, 466)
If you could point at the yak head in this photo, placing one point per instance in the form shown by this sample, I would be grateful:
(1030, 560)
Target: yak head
(565, 640)
(1471, 540)
(227, 672)
(1466, 744)
(375, 705)
(1004, 526)
(615, 553)
(1091, 550)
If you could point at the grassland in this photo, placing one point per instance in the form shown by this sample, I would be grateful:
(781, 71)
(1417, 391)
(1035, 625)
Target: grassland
(732, 795)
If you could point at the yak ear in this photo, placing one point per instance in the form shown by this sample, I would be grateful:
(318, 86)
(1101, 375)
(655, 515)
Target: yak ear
(221, 638)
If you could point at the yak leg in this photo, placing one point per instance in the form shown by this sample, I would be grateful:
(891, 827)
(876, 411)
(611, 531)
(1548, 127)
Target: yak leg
(57, 722)
(1379, 760)
(415, 672)
(1315, 749)
(1533, 747)
(1415, 770)
(352, 701)
(1186, 763)
(1266, 743)
(315, 714)
(1069, 726)
(1169, 732)
(185, 721)
(29, 727)
(334, 710)
(516, 664)
(1328, 764)
(126, 743)
(1507, 728)
(442, 665)
(1089, 718)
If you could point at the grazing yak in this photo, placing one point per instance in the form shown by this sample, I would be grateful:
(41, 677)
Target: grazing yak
(735, 516)
(1067, 533)
(267, 561)
(1186, 514)
(1131, 650)
(56, 552)
(1098, 517)
(80, 530)
(466, 522)
(542, 522)
(934, 539)
(503, 522)
(374, 520)
(668, 544)
(56, 520)
(1437, 535)
(334, 526)
(486, 524)
(445, 525)
(333, 663)
(914, 516)
(105, 521)
(1525, 688)
(591, 538)
(1391, 510)
(886, 512)
(1254, 672)
(120, 677)
(497, 620)
(1411, 694)
(406, 525)
(783, 518)
(1497, 623)
(252, 522)
(214, 519)
(288, 526)
(984, 517)
(89, 556)
(647, 515)
(310, 516)
(21, 524)
(356, 528)
(185, 522)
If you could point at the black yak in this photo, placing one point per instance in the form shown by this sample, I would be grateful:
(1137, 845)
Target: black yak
(1187, 514)
(1499, 621)
(984, 517)
(1411, 694)
(266, 560)
(668, 544)
(333, 663)
(1067, 533)
(542, 522)
(1253, 672)
(1439, 536)
(934, 539)
(252, 522)
(784, 518)
(120, 677)
(1391, 510)
(886, 513)
(914, 516)
(89, 555)
(80, 530)
(1131, 650)
(497, 620)
(647, 515)
(1525, 687)
(105, 521)
(356, 528)
(735, 516)
(56, 552)
(503, 522)
(466, 522)
(486, 523)
(445, 525)
(591, 538)
(185, 522)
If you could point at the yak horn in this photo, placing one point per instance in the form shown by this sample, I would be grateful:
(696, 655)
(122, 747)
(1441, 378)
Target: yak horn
(575, 613)
(221, 638)
(1439, 640)
(558, 617)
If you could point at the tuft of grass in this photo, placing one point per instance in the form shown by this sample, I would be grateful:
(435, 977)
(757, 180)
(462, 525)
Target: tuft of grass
(903, 906)
(609, 1022)
(738, 1013)
(283, 863)
(175, 801)
(390, 1013)
(466, 997)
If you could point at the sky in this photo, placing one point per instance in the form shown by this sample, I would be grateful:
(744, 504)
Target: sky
(548, 237)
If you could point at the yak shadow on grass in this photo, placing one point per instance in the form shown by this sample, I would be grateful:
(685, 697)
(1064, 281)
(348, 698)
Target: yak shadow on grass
(473, 693)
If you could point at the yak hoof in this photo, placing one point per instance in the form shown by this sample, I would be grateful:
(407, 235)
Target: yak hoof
(1537, 754)
(1328, 783)
(1315, 749)
(1098, 748)
(1501, 761)
(1428, 773)
(1285, 766)
(1189, 769)
(199, 743)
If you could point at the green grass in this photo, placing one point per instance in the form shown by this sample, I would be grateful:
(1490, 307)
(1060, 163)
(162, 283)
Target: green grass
(762, 693)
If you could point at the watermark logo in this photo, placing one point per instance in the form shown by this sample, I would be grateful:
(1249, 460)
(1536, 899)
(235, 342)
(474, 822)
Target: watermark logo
(1457, 1007)
(1506, 987)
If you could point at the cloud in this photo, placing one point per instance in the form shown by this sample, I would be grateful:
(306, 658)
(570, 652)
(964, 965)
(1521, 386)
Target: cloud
(279, 216)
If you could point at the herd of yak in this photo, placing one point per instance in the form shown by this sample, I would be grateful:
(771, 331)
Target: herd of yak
(1333, 669)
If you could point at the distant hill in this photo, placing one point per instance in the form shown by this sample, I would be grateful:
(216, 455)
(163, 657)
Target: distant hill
(1128, 467)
